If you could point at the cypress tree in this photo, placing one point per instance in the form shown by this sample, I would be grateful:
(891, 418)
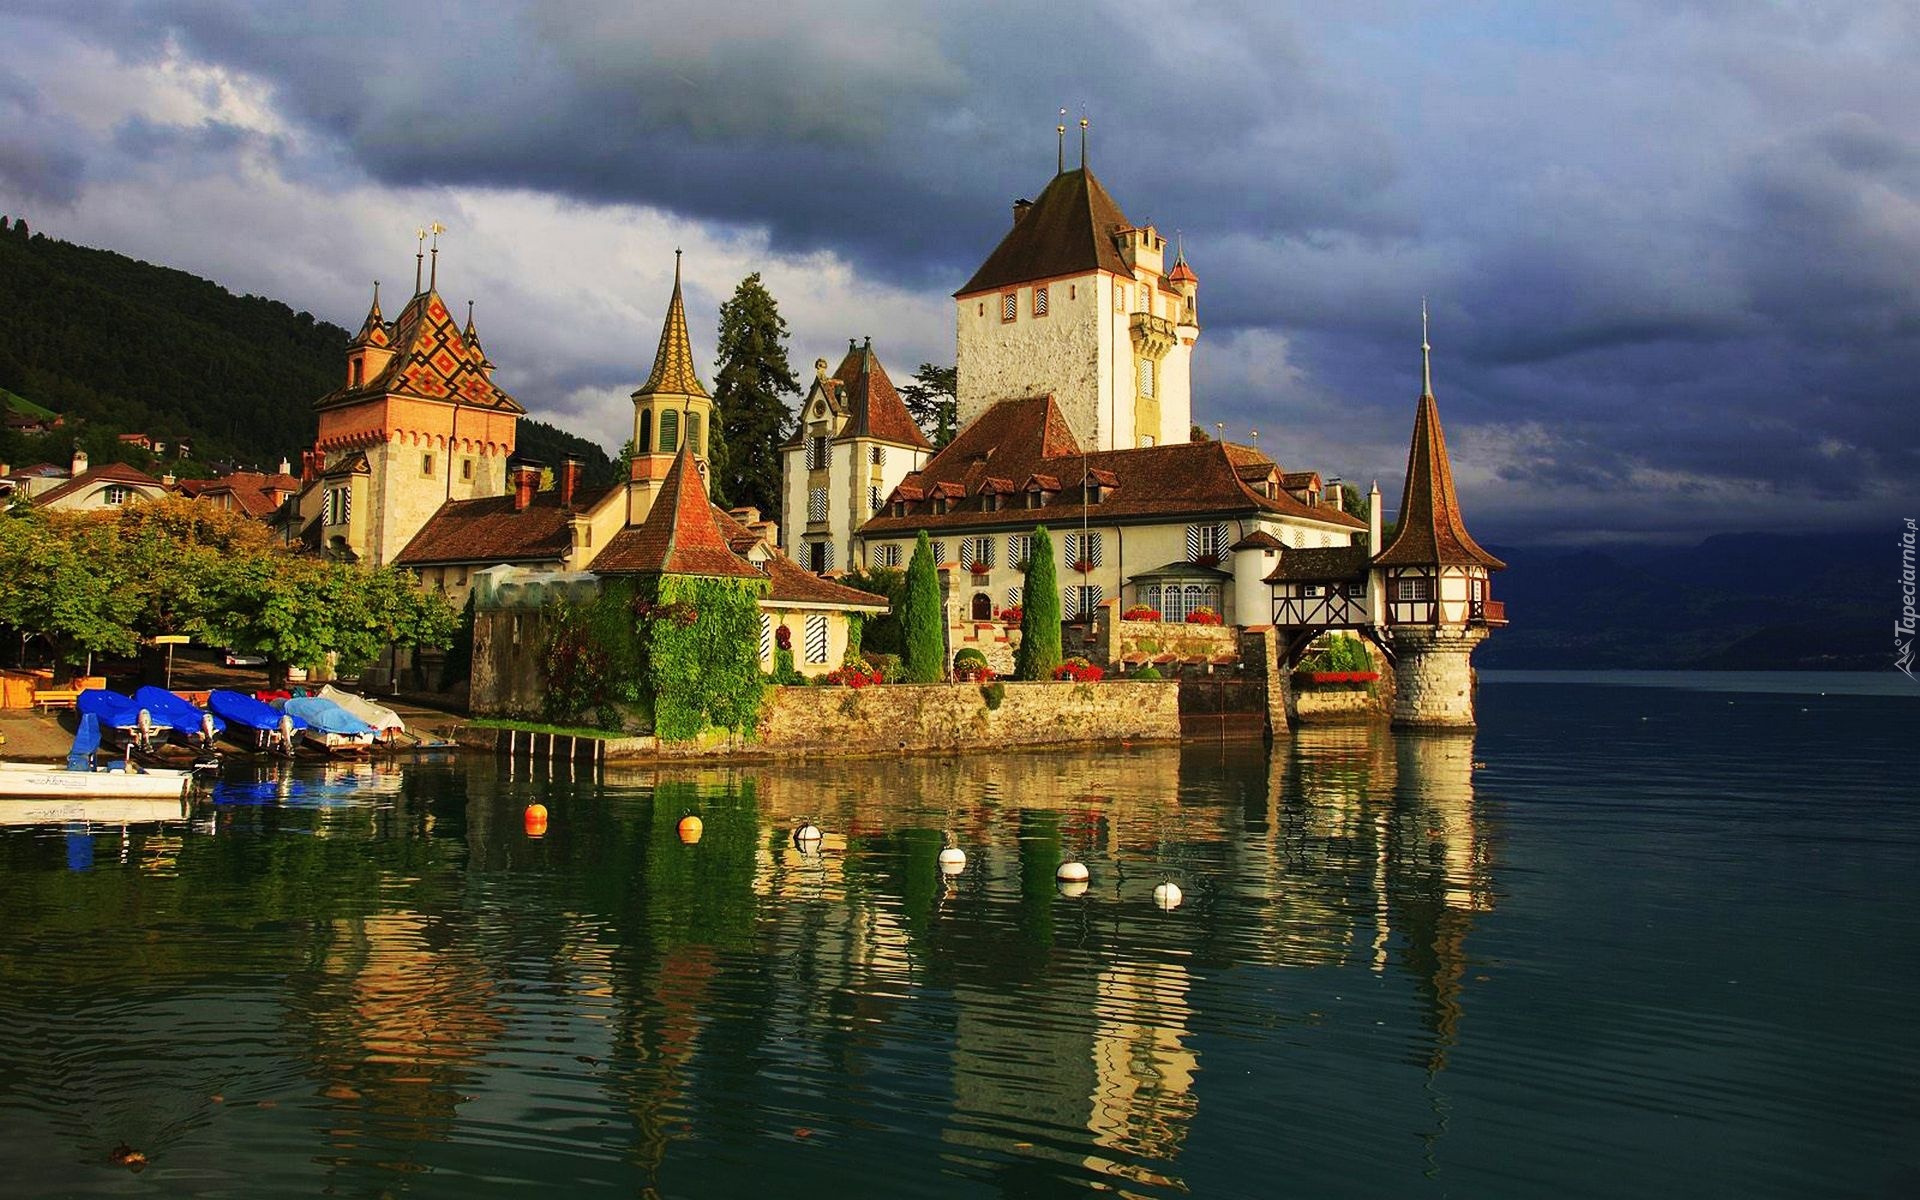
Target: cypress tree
(1039, 613)
(752, 381)
(926, 657)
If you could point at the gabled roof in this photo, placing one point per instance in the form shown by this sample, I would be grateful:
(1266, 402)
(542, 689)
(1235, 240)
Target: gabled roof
(490, 530)
(788, 580)
(1259, 539)
(1431, 531)
(432, 361)
(874, 405)
(1322, 564)
(1069, 230)
(254, 492)
(673, 373)
(1028, 440)
(681, 535)
(95, 476)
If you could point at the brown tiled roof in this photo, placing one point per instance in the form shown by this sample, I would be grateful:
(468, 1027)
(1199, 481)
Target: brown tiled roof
(875, 407)
(431, 361)
(681, 535)
(673, 373)
(1029, 440)
(105, 473)
(1301, 479)
(1324, 563)
(789, 580)
(1259, 539)
(490, 530)
(252, 491)
(1069, 231)
(1431, 531)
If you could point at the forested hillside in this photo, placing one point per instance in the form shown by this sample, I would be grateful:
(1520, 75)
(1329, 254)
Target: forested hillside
(117, 345)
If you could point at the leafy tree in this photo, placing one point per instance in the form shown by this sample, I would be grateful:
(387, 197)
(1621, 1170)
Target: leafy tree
(1039, 613)
(751, 384)
(884, 634)
(63, 580)
(926, 656)
(930, 401)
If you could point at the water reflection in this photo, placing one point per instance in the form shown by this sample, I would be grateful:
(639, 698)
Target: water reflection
(616, 1006)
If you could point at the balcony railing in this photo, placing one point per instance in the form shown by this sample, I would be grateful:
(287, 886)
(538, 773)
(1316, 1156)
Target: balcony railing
(1487, 612)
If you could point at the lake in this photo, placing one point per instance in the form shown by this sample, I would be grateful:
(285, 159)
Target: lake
(1640, 935)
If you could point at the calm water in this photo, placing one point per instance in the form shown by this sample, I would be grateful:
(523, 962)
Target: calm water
(1661, 943)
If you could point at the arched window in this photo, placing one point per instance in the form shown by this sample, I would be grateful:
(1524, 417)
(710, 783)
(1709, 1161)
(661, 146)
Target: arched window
(669, 431)
(645, 439)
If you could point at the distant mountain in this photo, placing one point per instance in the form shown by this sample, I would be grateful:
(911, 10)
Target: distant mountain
(116, 345)
(1748, 601)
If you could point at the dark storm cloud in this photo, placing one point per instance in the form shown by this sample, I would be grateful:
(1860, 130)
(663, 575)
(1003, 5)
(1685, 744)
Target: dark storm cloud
(1670, 242)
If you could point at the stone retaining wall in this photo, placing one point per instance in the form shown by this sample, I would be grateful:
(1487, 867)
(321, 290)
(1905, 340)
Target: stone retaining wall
(885, 720)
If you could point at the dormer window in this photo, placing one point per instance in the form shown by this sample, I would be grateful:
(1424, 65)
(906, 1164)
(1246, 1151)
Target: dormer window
(356, 372)
(939, 506)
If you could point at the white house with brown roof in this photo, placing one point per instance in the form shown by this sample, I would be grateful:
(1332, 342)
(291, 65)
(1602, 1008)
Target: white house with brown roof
(108, 486)
(1078, 301)
(853, 444)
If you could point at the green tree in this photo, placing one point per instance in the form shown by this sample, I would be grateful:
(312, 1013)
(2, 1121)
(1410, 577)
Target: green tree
(1039, 613)
(885, 634)
(926, 657)
(751, 384)
(64, 581)
(930, 401)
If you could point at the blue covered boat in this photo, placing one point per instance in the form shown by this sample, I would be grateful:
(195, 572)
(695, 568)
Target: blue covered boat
(255, 723)
(328, 725)
(137, 723)
(175, 710)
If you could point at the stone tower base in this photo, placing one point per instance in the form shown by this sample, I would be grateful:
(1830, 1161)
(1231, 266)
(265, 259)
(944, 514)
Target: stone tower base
(1433, 675)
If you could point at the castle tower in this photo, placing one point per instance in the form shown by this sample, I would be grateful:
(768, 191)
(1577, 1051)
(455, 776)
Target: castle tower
(1079, 302)
(1434, 579)
(670, 409)
(417, 422)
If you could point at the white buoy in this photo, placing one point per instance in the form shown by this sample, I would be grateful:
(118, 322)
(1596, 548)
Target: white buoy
(953, 860)
(1168, 896)
(1071, 888)
(1071, 872)
(807, 836)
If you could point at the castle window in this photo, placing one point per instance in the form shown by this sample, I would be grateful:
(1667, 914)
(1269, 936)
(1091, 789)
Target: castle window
(337, 506)
(426, 464)
(982, 311)
(1357, 590)
(1019, 549)
(816, 637)
(1119, 297)
(1040, 302)
(1009, 306)
(645, 439)
(1206, 542)
(356, 372)
(816, 504)
(693, 433)
(1146, 377)
(887, 555)
(873, 499)
(939, 550)
(817, 452)
(118, 494)
(1415, 589)
(1073, 291)
(466, 468)
(878, 456)
(669, 431)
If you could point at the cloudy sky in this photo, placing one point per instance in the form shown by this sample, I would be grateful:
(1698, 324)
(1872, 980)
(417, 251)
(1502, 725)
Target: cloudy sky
(1672, 250)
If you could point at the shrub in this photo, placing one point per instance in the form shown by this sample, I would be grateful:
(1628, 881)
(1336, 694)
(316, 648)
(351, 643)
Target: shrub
(1203, 616)
(993, 693)
(1079, 670)
(1340, 653)
(1141, 612)
(1039, 613)
(970, 664)
(1148, 672)
(887, 664)
(926, 641)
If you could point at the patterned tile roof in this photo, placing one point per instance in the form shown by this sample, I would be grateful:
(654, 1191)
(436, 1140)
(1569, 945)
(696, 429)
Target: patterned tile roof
(1029, 440)
(673, 373)
(1069, 231)
(432, 361)
(1431, 531)
(373, 330)
(877, 411)
(490, 530)
(681, 535)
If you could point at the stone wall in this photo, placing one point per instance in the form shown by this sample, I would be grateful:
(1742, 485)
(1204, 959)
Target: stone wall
(1170, 645)
(897, 717)
(1433, 676)
(509, 676)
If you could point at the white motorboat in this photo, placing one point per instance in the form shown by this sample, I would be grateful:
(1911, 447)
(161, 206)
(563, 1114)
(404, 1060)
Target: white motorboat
(43, 781)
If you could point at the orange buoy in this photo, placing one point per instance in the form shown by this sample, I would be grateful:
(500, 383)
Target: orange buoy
(536, 820)
(691, 827)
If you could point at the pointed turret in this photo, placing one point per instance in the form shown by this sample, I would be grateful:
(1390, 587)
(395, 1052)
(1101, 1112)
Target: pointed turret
(1431, 531)
(673, 372)
(472, 338)
(373, 330)
(680, 535)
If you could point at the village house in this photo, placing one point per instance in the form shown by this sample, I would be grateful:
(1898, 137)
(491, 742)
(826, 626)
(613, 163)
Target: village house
(852, 445)
(84, 488)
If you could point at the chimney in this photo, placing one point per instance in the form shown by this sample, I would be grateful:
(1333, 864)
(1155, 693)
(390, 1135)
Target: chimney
(1333, 494)
(1373, 520)
(79, 463)
(286, 468)
(168, 480)
(569, 480)
(526, 478)
(1020, 208)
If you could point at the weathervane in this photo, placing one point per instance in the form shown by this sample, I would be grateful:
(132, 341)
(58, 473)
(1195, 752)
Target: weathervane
(1060, 135)
(433, 274)
(419, 257)
(1426, 353)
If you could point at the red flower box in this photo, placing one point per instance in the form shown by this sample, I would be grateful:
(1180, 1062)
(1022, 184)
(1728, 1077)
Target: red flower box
(1343, 676)
(1141, 612)
(979, 568)
(1079, 670)
(1012, 614)
(1203, 616)
(1083, 565)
